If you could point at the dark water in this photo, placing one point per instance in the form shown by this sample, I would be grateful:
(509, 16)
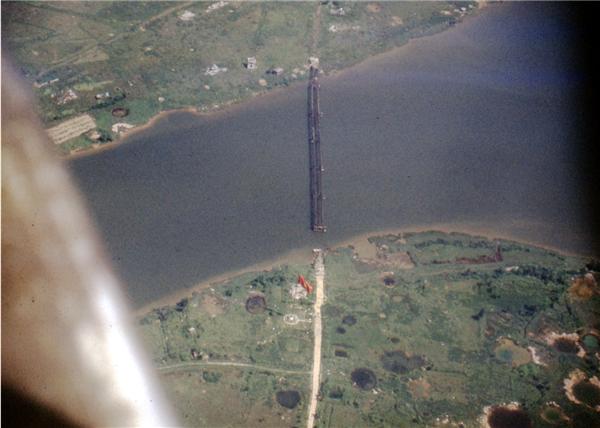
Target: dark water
(473, 126)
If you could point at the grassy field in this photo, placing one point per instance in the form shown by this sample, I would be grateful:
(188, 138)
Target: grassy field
(151, 56)
(211, 342)
(427, 330)
(450, 335)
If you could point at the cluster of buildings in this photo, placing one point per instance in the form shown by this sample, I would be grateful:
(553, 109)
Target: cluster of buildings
(215, 6)
(251, 64)
(67, 96)
(102, 95)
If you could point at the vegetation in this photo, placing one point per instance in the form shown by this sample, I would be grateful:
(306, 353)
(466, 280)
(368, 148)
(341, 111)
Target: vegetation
(453, 333)
(448, 337)
(151, 56)
(213, 342)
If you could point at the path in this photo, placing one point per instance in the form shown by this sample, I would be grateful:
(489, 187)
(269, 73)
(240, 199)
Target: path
(316, 369)
(68, 59)
(227, 364)
(316, 31)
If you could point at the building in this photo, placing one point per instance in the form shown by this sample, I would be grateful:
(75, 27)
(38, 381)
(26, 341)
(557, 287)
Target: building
(68, 96)
(337, 11)
(250, 64)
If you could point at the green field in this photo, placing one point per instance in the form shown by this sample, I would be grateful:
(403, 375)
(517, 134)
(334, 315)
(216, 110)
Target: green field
(262, 354)
(440, 326)
(152, 56)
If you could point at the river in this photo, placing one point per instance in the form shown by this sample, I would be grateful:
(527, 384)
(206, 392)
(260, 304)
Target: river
(475, 126)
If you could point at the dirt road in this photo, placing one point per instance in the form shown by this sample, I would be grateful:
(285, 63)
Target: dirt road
(69, 59)
(318, 332)
(193, 364)
(316, 31)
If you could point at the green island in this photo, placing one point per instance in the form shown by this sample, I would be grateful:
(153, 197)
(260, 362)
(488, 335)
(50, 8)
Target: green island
(428, 329)
(99, 69)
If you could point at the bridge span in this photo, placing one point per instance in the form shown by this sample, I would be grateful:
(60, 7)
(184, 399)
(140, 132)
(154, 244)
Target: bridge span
(314, 143)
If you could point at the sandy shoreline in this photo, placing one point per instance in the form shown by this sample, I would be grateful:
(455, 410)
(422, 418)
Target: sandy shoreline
(230, 106)
(296, 256)
(469, 229)
(225, 108)
(125, 135)
(359, 242)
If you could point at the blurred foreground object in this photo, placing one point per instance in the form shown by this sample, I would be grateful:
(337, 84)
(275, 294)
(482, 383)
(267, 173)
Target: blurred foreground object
(68, 354)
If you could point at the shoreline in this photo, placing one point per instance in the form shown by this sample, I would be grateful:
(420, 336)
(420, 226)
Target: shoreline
(229, 107)
(299, 255)
(126, 134)
(304, 255)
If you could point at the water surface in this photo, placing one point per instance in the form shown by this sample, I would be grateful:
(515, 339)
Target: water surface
(476, 125)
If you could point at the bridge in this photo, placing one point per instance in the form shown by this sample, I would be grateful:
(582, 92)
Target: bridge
(314, 144)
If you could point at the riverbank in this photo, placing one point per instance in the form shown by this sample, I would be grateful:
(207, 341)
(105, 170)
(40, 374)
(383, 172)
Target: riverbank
(228, 105)
(442, 133)
(98, 148)
(299, 256)
(360, 244)
(226, 108)
(382, 322)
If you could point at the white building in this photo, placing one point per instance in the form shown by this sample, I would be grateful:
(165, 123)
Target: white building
(251, 63)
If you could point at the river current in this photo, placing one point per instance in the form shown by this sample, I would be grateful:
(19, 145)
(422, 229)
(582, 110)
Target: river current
(473, 126)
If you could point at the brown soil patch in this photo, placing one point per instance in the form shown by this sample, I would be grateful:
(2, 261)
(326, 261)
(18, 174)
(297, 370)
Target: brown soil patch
(120, 112)
(400, 260)
(374, 7)
(212, 305)
(71, 128)
(364, 248)
(397, 298)
(396, 21)
(566, 343)
(419, 388)
(509, 352)
(584, 287)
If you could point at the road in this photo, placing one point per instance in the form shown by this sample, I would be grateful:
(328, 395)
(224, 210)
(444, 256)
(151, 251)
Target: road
(316, 368)
(69, 59)
(316, 31)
